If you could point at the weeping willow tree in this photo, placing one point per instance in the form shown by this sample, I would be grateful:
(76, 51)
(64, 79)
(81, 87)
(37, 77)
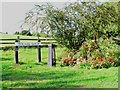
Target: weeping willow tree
(75, 23)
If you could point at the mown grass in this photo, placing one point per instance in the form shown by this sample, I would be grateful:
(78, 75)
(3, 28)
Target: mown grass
(29, 74)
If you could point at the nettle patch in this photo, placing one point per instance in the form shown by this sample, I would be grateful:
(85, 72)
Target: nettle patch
(93, 55)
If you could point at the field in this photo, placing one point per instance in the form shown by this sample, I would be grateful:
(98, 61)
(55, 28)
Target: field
(14, 36)
(29, 74)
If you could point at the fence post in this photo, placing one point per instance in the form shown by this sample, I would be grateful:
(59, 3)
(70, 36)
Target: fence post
(16, 51)
(51, 55)
(39, 51)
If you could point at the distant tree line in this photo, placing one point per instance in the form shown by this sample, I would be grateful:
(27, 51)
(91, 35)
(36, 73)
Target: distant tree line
(3, 32)
(28, 33)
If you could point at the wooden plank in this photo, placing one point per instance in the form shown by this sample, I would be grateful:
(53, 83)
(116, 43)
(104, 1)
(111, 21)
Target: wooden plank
(7, 42)
(37, 39)
(8, 39)
(43, 42)
(27, 43)
(42, 45)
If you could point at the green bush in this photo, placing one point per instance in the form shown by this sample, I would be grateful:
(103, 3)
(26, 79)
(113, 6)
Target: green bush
(35, 34)
(103, 55)
(7, 48)
(16, 33)
(26, 32)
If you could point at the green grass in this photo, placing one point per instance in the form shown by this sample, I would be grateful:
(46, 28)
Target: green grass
(15, 36)
(29, 74)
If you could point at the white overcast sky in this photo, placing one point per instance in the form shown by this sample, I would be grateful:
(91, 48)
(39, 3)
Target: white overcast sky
(14, 12)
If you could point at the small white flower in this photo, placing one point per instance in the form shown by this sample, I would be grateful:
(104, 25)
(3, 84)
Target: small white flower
(93, 40)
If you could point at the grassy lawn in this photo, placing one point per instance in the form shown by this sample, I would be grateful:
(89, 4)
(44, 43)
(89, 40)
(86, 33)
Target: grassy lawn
(29, 74)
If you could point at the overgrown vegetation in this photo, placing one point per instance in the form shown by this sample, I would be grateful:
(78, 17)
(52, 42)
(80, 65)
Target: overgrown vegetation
(104, 55)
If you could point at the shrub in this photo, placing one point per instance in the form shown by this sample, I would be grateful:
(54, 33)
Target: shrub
(35, 34)
(69, 62)
(108, 63)
(16, 33)
(26, 32)
(7, 48)
(104, 55)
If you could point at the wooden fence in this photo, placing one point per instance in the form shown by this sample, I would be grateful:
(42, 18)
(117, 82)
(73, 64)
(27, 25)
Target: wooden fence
(11, 41)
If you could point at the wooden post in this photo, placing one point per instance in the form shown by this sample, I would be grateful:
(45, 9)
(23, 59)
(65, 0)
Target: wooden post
(54, 56)
(51, 55)
(39, 52)
(16, 51)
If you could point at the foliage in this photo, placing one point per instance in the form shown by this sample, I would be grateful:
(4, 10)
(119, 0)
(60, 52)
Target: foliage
(108, 63)
(26, 32)
(6, 33)
(5, 48)
(35, 34)
(16, 33)
(104, 54)
(69, 62)
(75, 23)
(42, 34)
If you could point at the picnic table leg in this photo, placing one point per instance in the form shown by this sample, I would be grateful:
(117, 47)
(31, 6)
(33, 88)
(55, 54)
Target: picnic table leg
(16, 51)
(51, 55)
(16, 55)
(54, 56)
(39, 52)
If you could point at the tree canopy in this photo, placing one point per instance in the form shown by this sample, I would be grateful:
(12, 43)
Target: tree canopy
(75, 23)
